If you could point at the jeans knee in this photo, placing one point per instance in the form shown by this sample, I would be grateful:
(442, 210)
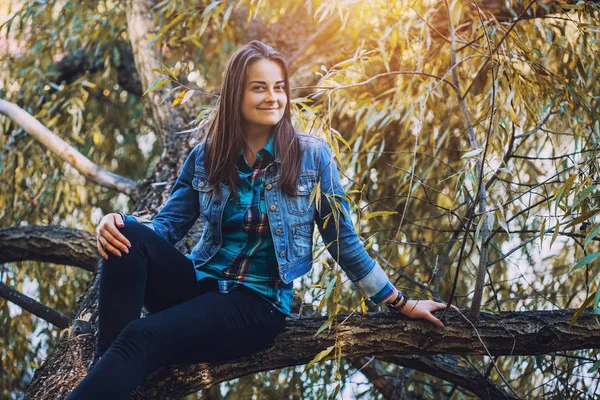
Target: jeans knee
(137, 235)
(134, 231)
(136, 332)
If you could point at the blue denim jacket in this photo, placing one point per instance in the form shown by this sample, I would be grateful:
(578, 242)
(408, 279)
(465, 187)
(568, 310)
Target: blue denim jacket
(291, 218)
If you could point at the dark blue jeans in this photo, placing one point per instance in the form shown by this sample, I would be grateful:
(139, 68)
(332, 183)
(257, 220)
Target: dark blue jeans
(189, 322)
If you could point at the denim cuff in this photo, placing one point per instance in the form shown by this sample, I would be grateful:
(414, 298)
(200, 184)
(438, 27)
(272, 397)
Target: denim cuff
(376, 285)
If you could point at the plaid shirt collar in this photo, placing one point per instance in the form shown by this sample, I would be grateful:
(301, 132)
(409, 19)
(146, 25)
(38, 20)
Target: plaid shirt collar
(264, 157)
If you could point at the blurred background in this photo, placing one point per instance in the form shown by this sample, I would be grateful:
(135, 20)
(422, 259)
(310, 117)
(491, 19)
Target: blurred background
(466, 132)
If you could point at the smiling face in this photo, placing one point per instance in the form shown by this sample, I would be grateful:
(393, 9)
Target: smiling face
(265, 99)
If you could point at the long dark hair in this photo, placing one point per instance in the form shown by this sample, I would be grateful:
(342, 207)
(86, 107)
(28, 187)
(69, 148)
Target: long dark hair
(225, 135)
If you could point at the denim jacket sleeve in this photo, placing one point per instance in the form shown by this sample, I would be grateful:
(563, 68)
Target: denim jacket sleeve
(342, 241)
(183, 207)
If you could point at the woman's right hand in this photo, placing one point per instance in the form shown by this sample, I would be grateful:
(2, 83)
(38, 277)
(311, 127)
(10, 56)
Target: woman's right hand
(108, 236)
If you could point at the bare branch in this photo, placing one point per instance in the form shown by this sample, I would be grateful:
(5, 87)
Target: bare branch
(481, 195)
(505, 333)
(62, 149)
(38, 309)
(450, 369)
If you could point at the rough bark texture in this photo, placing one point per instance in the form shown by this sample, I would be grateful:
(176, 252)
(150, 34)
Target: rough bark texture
(63, 150)
(53, 244)
(379, 334)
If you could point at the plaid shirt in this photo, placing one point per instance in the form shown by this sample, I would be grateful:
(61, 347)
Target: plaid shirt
(247, 256)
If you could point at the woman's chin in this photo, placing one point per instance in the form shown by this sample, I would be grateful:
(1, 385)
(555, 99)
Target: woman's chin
(268, 122)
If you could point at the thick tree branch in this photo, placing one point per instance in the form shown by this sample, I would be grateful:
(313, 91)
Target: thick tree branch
(141, 27)
(450, 369)
(63, 150)
(38, 309)
(53, 244)
(506, 333)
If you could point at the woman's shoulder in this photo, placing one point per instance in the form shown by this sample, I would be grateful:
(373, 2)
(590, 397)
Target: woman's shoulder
(310, 142)
(197, 154)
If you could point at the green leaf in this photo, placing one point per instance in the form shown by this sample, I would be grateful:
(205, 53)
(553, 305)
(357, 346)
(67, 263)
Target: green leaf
(543, 232)
(581, 309)
(158, 83)
(591, 236)
(582, 196)
(594, 367)
(472, 153)
(555, 233)
(564, 190)
(323, 327)
(585, 260)
(330, 287)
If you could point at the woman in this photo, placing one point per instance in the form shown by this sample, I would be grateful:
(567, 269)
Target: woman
(252, 182)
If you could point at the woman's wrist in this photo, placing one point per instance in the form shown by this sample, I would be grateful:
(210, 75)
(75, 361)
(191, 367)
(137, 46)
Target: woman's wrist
(397, 303)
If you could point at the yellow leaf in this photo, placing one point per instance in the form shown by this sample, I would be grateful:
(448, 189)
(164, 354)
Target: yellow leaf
(363, 306)
(378, 214)
(179, 98)
(319, 357)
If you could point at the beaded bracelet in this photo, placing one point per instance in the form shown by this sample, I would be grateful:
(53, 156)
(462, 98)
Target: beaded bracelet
(401, 298)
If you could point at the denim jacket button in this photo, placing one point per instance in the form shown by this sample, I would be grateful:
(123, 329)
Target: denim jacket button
(201, 184)
(278, 231)
(273, 207)
(281, 254)
(269, 186)
(302, 188)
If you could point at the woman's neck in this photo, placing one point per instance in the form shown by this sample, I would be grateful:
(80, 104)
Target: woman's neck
(256, 139)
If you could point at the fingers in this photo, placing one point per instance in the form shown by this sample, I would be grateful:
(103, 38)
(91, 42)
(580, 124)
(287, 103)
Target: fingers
(118, 220)
(434, 320)
(101, 249)
(115, 237)
(109, 247)
(438, 306)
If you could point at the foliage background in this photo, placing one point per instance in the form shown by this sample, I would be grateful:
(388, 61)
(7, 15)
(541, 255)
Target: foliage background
(381, 90)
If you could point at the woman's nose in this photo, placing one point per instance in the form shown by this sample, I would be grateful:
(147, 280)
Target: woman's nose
(270, 95)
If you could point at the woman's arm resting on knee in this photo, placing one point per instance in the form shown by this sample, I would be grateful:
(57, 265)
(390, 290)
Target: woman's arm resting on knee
(108, 236)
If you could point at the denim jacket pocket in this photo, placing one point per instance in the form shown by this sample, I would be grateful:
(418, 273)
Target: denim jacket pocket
(300, 204)
(301, 239)
(200, 183)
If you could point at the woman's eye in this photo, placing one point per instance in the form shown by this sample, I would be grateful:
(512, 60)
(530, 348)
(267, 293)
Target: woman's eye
(280, 87)
(258, 87)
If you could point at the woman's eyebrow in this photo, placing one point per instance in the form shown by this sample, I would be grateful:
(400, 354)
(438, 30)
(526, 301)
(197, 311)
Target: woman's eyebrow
(264, 83)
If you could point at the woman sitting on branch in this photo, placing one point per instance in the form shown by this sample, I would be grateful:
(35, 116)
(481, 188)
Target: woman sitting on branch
(251, 182)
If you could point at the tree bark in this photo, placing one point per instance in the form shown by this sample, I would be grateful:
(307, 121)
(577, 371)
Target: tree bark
(53, 244)
(65, 151)
(33, 306)
(449, 369)
(379, 334)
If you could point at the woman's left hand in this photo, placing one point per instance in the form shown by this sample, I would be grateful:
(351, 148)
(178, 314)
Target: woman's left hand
(421, 309)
